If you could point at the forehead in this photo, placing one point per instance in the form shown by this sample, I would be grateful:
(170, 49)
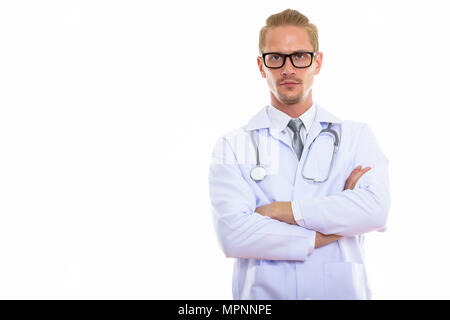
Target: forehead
(287, 39)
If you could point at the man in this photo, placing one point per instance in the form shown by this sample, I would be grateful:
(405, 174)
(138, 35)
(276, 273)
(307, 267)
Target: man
(296, 229)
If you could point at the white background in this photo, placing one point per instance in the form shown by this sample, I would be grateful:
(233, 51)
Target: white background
(108, 115)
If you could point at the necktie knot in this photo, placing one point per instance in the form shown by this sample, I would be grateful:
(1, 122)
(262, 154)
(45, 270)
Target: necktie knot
(295, 124)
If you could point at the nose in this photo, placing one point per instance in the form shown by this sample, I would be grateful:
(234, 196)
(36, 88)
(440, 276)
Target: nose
(288, 68)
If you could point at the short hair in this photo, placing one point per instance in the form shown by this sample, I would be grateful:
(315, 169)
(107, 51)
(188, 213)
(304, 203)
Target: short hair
(289, 17)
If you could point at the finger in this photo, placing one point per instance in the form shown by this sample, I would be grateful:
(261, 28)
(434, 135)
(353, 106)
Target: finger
(350, 184)
(358, 175)
(361, 172)
(354, 176)
(358, 170)
(365, 169)
(351, 180)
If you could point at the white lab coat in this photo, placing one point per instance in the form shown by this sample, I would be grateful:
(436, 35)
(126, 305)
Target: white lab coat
(273, 259)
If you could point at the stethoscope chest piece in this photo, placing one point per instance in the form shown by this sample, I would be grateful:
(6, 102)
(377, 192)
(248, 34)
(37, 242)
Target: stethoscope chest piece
(258, 173)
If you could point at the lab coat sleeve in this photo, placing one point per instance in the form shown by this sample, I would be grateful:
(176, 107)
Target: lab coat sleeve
(243, 233)
(297, 213)
(357, 211)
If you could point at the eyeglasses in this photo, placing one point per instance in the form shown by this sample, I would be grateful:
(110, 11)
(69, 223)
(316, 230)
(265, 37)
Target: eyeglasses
(299, 59)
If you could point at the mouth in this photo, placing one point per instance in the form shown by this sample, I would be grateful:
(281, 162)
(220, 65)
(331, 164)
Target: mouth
(289, 83)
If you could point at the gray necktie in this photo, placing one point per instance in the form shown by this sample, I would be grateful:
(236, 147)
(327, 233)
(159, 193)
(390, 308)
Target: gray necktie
(295, 125)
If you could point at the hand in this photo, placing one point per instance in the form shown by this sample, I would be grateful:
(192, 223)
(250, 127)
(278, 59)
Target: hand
(322, 239)
(353, 178)
(279, 210)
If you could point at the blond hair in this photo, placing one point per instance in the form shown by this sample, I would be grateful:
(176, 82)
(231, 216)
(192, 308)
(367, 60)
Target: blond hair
(289, 17)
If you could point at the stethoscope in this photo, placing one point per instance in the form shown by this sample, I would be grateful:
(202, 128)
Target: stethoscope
(258, 173)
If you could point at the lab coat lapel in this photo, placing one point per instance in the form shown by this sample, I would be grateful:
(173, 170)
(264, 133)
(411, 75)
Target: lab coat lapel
(261, 121)
(321, 119)
(312, 134)
(276, 134)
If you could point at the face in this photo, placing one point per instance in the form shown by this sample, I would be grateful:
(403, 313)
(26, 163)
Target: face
(289, 85)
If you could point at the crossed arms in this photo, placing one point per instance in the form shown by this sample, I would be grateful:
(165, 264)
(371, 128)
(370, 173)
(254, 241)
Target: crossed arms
(282, 210)
(243, 232)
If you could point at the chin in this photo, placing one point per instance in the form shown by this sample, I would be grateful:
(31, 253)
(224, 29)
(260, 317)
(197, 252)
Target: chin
(291, 99)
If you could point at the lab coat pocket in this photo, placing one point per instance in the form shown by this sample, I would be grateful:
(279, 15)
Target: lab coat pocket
(345, 281)
(275, 280)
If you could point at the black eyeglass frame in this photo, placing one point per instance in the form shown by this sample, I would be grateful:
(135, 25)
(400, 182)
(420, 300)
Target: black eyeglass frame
(312, 54)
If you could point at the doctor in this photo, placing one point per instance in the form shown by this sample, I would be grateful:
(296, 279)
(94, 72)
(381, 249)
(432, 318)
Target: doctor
(296, 224)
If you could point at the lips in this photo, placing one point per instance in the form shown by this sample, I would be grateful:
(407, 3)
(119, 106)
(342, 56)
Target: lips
(291, 82)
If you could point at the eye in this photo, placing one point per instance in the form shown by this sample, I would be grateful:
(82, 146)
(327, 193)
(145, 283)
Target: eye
(274, 60)
(299, 56)
(275, 57)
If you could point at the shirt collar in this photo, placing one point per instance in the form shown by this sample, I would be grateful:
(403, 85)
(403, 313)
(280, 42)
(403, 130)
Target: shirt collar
(263, 120)
(280, 120)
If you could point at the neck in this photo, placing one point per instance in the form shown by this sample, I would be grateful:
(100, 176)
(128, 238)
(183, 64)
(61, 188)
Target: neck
(293, 110)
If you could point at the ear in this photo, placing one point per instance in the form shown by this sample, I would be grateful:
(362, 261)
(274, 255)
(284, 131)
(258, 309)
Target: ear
(261, 66)
(318, 62)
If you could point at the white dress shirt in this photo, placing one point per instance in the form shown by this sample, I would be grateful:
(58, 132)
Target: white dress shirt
(280, 120)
